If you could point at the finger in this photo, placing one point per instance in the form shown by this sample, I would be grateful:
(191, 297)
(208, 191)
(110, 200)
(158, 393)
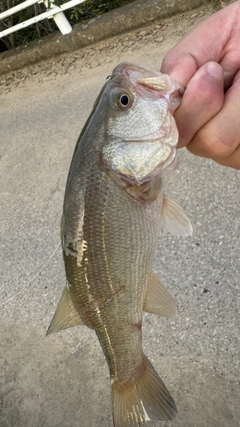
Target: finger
(202, 99)
(180, 66)
(215, 39)
(233, 161)
(219, 139)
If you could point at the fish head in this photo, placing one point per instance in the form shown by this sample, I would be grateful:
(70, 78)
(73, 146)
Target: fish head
(141, 133)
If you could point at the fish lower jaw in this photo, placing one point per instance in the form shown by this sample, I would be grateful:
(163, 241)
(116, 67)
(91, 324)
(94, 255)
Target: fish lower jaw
(167, 166)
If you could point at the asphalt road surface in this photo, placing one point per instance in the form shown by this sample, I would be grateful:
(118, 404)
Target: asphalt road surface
(63, 380)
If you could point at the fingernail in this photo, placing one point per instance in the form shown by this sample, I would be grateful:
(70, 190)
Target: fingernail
(215, 70)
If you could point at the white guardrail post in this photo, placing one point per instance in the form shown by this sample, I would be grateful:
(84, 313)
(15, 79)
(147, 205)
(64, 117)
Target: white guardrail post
(55, 12)
(59, 18)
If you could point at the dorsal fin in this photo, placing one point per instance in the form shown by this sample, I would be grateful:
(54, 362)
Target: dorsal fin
(65, 315)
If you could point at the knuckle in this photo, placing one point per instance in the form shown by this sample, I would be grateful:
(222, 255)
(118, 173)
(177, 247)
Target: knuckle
(213, 144)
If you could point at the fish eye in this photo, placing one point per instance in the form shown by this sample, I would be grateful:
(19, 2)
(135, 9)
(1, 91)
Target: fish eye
(122, 101)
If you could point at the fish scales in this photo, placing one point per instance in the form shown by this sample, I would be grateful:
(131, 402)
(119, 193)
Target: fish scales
(118, 273)
(111, 217)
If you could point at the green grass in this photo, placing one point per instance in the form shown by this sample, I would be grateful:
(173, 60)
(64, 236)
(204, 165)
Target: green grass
(92, 8)
(86, 10)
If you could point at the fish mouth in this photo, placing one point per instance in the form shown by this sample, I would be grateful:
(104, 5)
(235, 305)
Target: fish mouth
(140, 158)
(148, 81)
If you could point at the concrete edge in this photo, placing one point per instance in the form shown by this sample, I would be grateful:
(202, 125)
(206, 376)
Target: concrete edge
(118, 21)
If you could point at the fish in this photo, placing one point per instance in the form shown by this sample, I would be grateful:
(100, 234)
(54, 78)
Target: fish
(113, 208)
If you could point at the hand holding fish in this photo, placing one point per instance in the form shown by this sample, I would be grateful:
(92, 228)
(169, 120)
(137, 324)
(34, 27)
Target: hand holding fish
(207, 63)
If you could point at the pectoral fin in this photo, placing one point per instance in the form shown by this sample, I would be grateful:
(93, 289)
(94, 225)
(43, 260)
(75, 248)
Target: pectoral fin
(174, 219)
(158, 300)
(65, 315)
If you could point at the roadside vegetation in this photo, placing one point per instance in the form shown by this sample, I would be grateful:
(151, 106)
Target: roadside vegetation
(84, 11)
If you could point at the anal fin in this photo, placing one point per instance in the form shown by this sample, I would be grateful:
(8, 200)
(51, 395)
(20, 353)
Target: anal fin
(158, 300)
(65, 315)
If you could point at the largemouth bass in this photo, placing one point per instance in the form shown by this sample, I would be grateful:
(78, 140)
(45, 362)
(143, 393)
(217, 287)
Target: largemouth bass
(113, 207)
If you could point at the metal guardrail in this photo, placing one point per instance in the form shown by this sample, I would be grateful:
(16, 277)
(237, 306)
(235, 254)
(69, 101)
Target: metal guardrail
(53, 11)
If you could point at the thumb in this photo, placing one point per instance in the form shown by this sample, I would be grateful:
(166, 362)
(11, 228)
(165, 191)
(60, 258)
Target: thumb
(202, 99)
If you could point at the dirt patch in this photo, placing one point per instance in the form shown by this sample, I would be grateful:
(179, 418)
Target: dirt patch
(169, 31)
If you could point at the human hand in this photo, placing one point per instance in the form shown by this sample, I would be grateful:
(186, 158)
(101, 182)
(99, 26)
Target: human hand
(207, 63)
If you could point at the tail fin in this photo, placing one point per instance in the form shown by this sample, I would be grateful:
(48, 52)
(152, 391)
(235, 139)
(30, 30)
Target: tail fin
(144, 400)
